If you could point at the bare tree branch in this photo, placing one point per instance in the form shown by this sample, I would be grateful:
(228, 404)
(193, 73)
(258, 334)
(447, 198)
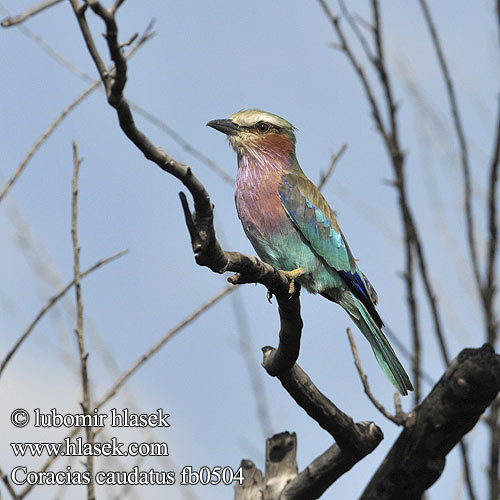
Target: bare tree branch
(333, 162)
(155, 120)
(50, 129)
(50, 303)
(254, 372)
(487, 289)
(46, 134)
(132, 369)
(413, 242)
(464, 154)
(489, 293)
(11, 21)
(400, 417)
(490, 285)
(8, 485)
(452, 408)
(156, 347)
(353, 441)
(86, 405)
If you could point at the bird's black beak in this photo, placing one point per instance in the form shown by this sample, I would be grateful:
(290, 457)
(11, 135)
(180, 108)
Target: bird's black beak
(225, 126)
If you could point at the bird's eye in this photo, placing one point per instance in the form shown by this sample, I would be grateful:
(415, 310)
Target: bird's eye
(263, 127)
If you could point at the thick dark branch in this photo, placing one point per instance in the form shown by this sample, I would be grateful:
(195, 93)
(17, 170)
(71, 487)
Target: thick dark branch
(281, 480)
(350, 436)
(353, 440)
(453, 407)
(279, 361)
(312, 482)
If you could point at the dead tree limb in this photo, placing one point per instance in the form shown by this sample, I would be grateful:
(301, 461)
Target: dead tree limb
(450, 411)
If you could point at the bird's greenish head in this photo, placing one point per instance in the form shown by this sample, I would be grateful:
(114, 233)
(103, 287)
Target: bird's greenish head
(252, 132)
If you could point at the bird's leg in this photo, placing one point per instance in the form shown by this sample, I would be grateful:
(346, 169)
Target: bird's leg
(292, 276)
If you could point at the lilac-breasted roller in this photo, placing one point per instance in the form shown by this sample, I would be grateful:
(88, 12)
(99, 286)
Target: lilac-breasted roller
(292, 227)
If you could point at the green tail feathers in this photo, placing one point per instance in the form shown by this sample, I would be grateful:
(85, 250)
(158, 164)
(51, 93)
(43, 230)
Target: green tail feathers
(383, 351)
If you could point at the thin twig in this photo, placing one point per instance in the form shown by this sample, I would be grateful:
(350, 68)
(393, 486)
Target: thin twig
(333, 162)
(398, 419)
(490, 287)
(114, 89)
(490, 291)
(396, 342)
(391, 141)
(345, 47)
(133, 368)
(409, 277)
(89, 41)
(464, 155)
(11, 21)
(156, 347)
(189, 148)
(50, 303)
(50, 129)
(379, 62)
(45, 136)
(248, 354)
(155, 120)
(380, 65)
(357, 32)
(79, 318)
(8, 485)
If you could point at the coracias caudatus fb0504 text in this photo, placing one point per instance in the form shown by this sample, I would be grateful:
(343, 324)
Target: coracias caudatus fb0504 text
(292, 227)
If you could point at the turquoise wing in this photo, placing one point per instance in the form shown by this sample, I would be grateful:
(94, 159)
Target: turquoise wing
(314, 218)
(316, 221)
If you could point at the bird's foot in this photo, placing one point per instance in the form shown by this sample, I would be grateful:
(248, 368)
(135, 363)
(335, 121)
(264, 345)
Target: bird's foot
(291, 276)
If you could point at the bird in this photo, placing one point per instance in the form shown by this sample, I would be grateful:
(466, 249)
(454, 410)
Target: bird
(293, 228)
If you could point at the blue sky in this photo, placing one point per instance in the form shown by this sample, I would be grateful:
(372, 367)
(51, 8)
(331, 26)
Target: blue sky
(207, 60)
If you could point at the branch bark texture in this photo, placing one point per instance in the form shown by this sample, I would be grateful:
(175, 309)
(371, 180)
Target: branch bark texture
(453, 407)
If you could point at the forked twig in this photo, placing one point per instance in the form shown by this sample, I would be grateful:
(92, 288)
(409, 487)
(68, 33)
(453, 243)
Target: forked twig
(50, 129)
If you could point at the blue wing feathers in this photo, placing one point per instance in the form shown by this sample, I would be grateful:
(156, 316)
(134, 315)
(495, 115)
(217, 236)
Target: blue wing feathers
(357, 286)
(314, 218)
(317, 225)
(356, 281)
